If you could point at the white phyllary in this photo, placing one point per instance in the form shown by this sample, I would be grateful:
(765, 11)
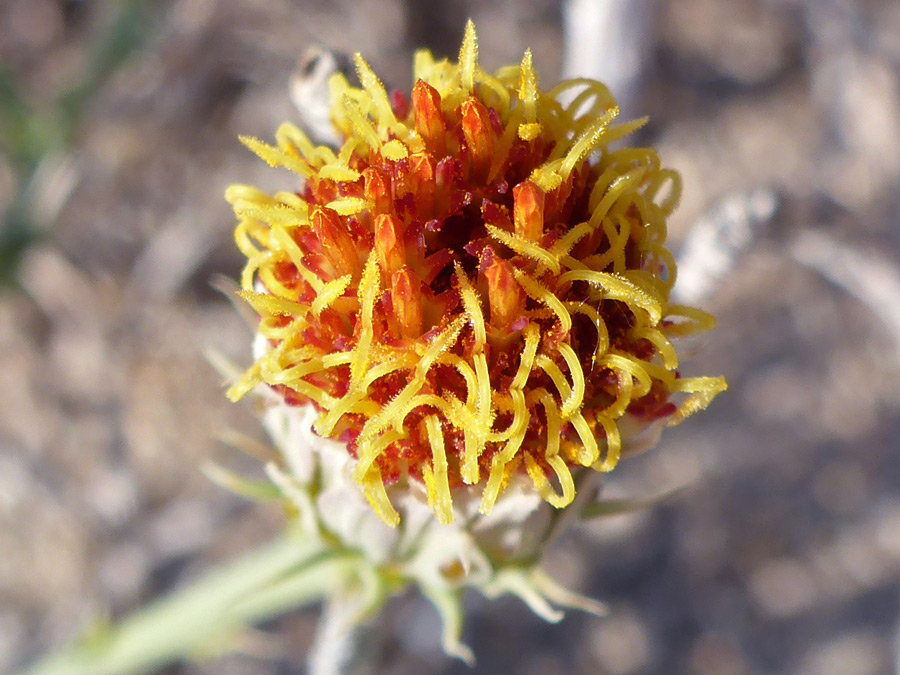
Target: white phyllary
(514, 529)
(495, 553)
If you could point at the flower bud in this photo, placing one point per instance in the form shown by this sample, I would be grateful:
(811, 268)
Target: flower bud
(337, 244)
(378, 191)
(479, 134)
(505, 296)
(406, 298)
(528, 211)
(389, 243)
(422, 184)
(429, 120)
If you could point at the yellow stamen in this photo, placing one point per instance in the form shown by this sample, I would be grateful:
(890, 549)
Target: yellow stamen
(439, 489)
(468, 57)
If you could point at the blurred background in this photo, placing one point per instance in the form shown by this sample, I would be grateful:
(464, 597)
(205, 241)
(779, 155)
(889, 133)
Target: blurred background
(118, 126)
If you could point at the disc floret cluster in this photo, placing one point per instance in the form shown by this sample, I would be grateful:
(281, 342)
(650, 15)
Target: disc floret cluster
(473, 285)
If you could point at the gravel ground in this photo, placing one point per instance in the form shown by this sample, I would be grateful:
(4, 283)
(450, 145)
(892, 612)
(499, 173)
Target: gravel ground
(783, 553)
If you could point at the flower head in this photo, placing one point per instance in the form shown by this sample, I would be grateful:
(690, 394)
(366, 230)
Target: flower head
(473, 288)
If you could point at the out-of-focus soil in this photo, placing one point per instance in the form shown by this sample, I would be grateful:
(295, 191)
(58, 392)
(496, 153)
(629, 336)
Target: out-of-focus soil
(782, 555)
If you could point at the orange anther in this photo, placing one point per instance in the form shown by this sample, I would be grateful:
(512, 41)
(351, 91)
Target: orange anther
(430, 124)
(337, 244)
(378, 190)
(406, 297)
(389, 243)
(528, 211)
(422, 183)
(476, 126)
(445, 174)
(505, 296)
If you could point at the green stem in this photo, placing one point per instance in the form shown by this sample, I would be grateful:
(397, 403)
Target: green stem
(283, 575)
